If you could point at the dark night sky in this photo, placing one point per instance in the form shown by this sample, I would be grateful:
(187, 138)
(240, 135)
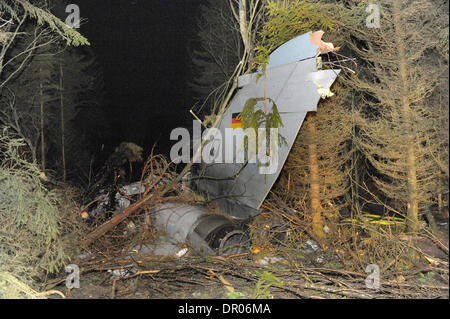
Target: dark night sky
(142, 47)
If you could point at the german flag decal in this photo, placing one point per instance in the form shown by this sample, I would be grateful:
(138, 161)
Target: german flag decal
(235, 122)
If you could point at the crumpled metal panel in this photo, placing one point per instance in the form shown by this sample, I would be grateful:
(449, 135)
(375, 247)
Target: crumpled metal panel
(291, 86)
(297, 49)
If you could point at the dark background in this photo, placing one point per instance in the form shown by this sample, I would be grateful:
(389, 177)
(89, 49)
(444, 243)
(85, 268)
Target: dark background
(143, 49)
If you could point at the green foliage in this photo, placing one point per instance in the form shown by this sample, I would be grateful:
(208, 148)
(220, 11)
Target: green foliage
(429, 278)
(30, 223)
(13, 288)
(251, 117)
(265, 282)
(254, 116)
(443, 40)
(80, 97)
(235, 295)
(15, 8)
(289, 19)
(403, 108)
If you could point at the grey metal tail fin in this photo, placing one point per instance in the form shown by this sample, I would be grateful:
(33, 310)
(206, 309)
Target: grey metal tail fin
(295, 84)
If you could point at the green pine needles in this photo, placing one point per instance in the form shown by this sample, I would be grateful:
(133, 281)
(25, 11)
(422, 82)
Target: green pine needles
(16, 8)
(30, 222)
(253, 116)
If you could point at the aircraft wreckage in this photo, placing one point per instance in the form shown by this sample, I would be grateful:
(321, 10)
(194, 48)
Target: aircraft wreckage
(295, 83)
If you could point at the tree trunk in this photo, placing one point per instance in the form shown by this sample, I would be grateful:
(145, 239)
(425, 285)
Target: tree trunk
(243, 23)
(314, 186)
(63, 154)
(41, 93)
(413, 204)
(245, 29)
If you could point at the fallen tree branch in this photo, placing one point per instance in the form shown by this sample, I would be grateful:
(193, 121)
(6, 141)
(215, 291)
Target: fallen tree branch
(116, 219)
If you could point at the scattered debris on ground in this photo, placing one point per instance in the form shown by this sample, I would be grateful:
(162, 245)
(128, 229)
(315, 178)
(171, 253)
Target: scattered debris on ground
(281, 259)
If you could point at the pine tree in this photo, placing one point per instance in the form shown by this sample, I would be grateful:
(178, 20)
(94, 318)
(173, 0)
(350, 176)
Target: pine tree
(217, 49)
(26, 99)
(15, 15)
(399, 131)
(32, 98)
(74, 83)
(318, 166)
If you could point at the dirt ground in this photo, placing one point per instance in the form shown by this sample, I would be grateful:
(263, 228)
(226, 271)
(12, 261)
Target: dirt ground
(291, 268)
(245, 276)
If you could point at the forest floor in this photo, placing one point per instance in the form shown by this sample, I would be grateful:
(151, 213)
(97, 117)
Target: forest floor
(282, 273)
(192, 281)
(355, 260)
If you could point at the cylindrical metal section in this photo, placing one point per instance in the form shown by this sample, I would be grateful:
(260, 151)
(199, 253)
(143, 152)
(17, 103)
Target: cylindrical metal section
(206, 233)
(177, 219)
